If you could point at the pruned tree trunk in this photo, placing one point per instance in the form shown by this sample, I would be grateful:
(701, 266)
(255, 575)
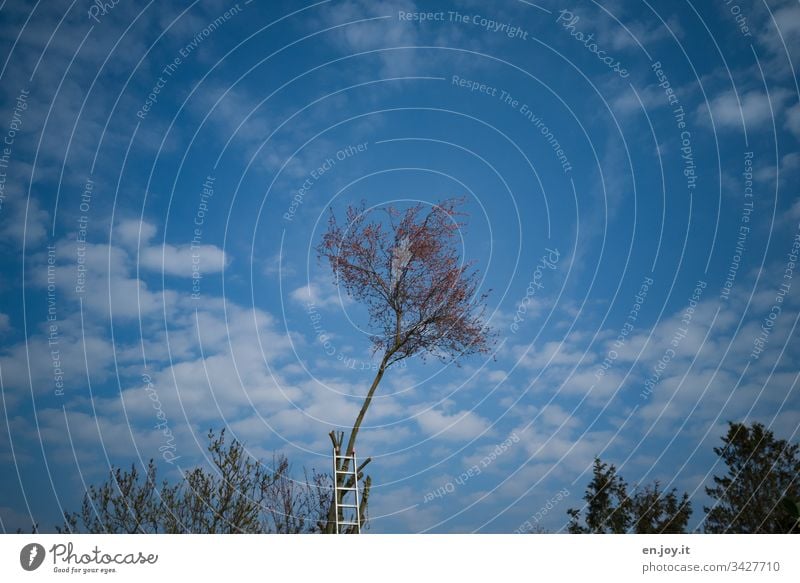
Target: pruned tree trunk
(337, 441)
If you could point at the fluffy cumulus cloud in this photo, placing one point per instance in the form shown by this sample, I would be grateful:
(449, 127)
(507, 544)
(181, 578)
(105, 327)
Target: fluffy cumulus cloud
(321, 293)
(181, 260)
(753, 108)
(793, 120)
(456, 425)
(178, 260)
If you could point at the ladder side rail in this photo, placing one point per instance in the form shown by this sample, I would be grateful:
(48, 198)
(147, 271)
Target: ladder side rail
(358, 511)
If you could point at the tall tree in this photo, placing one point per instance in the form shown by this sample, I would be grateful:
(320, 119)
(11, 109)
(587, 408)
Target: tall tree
(611, 509)
(236, 495)
(763, 472)
(422, 299)
(608, 508)
(791, 509)
(658, 512)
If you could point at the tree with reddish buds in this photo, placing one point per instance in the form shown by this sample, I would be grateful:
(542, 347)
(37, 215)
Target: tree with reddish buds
(422, 298)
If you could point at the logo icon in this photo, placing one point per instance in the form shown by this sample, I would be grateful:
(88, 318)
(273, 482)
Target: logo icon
(31, 556)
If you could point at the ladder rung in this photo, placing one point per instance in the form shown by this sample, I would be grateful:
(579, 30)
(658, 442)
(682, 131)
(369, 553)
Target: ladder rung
(343, 475)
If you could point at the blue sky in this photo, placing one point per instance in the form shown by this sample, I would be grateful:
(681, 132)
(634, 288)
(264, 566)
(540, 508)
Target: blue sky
(630, 172)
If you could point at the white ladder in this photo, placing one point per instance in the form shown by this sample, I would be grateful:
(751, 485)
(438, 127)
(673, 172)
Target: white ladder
(349, 507)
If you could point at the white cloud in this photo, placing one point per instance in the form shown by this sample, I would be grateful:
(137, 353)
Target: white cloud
(794, 211)
(788, 21)
(179, 260)
(565, 449)
(277, 265)
(459, 426)
(183, 260)
(639, 32)
(34, 364)
(109, 286)
(400, 510)
(551, 354)
(793, 120)
(218, 369)
(377, 33)
(23, 219)
(585, 382)
(627, 102)
(131, 233)
(755, 108)
(321, 293)
(791, 161)
(778, 30)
